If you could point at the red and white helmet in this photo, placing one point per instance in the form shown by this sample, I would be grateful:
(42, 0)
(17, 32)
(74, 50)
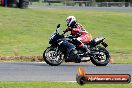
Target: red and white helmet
(71, 20)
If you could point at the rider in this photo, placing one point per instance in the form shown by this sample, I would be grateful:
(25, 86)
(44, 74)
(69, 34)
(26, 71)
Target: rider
(80, 34)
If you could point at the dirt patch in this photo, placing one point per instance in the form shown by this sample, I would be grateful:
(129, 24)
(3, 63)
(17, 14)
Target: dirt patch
(21, 58)
(116, 58)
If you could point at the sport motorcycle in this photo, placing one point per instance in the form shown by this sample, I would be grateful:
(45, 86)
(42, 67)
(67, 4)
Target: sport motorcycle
(63, 49)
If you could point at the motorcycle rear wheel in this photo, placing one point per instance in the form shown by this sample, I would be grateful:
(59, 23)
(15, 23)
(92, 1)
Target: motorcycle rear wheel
(102, 59)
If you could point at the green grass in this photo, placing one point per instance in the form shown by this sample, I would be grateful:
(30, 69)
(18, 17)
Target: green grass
(59, 85)
(27, 31)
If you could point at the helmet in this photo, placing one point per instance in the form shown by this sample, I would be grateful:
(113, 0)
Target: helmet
(71, 21)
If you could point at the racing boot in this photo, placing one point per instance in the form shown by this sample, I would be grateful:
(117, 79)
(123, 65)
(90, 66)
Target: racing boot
(78, 59)
(75, 56)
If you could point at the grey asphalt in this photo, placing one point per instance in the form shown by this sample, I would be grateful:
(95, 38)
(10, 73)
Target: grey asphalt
(30, 71)
(115, 9)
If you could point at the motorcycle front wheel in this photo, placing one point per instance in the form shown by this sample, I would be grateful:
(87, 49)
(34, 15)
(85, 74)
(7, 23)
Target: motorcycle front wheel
(53, 56)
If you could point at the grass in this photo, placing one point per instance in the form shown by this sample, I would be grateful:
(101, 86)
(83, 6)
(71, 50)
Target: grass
(58, 85)
(25, 32)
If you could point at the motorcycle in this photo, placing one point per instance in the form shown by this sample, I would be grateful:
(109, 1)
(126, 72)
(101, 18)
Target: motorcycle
(62, 49)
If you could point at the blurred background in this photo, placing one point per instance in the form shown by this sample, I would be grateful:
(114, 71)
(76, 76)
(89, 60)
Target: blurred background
(79, 3)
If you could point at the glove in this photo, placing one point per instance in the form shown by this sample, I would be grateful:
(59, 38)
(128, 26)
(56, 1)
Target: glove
(68, 29)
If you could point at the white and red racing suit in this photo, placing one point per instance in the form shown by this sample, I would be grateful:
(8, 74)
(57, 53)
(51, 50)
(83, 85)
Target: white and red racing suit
(80, 33)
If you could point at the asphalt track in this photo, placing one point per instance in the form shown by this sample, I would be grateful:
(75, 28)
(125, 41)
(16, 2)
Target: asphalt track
(31, 71)
(113, 9)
